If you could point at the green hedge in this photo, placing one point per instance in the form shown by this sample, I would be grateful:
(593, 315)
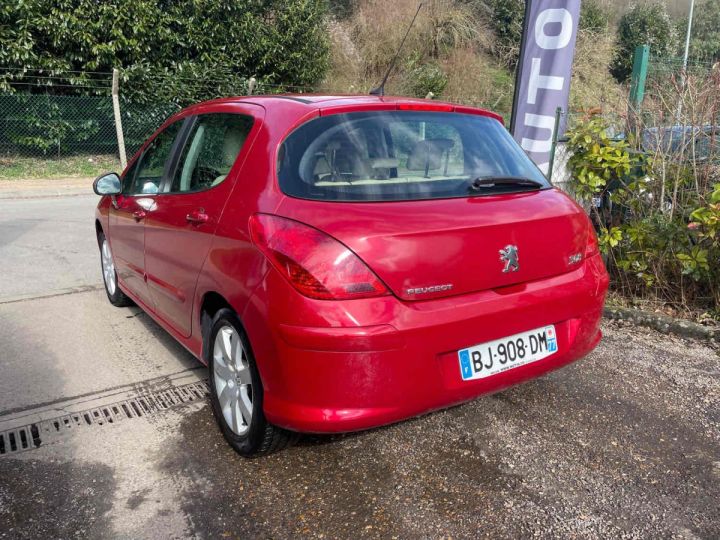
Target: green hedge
(56, 56)
(170, 50)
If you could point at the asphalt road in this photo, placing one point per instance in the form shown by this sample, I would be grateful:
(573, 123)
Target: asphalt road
(625, 443)
(44, 245)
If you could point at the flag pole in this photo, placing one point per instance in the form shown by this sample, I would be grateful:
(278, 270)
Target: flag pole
(519, 68)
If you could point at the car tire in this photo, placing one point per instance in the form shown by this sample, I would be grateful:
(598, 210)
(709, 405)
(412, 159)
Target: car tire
(112, 288)
(236, 391)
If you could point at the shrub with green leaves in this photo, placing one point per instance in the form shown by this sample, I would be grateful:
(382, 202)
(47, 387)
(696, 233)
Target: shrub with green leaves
(171, 53)
(596, 159)
(664, 239)
(425, 78)
(173, 50)
(643, 24)
(506, 21)
(703, 260)
(705, 36)
(594, 17)
(50, 126)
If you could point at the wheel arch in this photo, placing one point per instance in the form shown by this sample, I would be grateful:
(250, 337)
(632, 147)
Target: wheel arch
(98, 229)
(211, 303)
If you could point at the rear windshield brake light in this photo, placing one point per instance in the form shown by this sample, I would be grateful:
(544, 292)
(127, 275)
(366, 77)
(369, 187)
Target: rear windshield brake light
(439, 107)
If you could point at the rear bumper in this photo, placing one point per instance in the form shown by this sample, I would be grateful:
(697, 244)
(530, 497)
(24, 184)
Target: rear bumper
(401, 359)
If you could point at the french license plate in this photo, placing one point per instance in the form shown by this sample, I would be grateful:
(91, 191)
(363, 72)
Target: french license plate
(510, 352)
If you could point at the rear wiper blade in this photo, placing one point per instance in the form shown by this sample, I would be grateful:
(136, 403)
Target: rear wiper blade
(482, 183)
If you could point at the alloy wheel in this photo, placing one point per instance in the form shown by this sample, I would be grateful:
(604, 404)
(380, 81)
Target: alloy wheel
(108, 267)
(233, 383)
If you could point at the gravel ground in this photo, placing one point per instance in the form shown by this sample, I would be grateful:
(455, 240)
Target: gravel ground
(624, 444)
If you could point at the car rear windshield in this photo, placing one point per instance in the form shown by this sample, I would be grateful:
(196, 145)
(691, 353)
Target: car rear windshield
(399, 155)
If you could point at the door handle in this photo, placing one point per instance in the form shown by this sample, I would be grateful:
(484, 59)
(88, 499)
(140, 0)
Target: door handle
(139, 214)
(197, 216)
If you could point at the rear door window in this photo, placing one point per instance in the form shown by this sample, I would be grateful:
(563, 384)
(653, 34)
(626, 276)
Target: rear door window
(210, 151)
(397, 155)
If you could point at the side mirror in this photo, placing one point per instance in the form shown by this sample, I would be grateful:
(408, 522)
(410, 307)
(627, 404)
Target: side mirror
(107, 184)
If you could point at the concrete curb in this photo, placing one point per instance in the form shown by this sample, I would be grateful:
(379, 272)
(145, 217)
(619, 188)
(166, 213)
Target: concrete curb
(41, 188)
(18, 195)
(663, 323)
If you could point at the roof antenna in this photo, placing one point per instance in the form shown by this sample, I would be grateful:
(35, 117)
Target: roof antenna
(380, 90)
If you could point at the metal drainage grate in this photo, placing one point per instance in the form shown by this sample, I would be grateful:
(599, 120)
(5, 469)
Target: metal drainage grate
(30, 436)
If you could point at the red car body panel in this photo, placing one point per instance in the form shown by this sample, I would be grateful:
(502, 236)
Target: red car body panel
(342, 365)
(453, 240)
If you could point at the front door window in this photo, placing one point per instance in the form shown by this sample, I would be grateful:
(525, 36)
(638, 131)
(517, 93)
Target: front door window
(149, 173)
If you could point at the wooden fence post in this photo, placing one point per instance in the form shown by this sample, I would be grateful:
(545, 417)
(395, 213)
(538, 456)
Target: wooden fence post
(118, 120)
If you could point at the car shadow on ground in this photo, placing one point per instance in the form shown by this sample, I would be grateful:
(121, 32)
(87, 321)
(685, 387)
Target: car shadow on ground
(185, 359)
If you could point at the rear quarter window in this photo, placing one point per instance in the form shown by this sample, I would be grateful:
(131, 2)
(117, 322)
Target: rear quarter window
(397, 155)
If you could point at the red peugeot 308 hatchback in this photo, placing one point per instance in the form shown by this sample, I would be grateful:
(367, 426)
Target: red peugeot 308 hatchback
(345, 262)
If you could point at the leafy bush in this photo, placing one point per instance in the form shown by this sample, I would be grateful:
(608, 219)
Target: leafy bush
(643, 24)
(662, 238)
(705, 37)
(506, 21)
(425, 78)
(172, 53)
(704, 258)
(596, 160)
(179, 50)
(593, 16)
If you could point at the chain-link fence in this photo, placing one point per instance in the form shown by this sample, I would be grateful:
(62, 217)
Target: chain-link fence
(139, 121)
(668, 73)
(46, 128)
(66, 129)
(57, 123)
(43, 120)
(55, 126)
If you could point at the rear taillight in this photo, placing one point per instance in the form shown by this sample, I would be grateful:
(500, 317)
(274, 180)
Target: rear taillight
(591, 247)
(316, 264)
